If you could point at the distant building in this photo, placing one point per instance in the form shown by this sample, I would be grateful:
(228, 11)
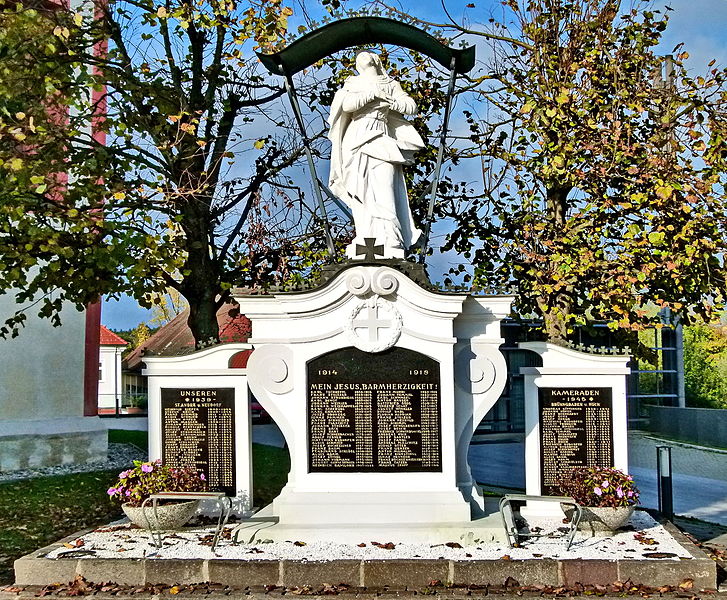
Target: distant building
(110, 390)
(175, 339)
(46, 416)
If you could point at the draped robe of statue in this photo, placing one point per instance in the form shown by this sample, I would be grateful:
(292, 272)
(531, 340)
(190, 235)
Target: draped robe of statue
(371, 142)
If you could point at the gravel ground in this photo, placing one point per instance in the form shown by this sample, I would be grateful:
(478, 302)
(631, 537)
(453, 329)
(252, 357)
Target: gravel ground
(645, 540)
(120, 456)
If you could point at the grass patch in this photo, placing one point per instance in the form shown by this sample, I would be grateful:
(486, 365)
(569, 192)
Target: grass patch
(140, 439)
(37, 512)
(270, 468)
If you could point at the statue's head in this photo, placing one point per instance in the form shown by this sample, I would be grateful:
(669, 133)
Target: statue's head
(367, 61)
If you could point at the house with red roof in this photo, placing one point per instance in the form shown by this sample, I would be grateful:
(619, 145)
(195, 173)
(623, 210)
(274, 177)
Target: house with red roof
(110, 390)
(175, 339)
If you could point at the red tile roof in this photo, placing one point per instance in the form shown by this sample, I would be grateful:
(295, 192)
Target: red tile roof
(109, 338)
(175, 338)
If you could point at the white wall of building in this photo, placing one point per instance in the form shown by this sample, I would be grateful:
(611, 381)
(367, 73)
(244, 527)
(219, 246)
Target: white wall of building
(110, 390)
(41, 394)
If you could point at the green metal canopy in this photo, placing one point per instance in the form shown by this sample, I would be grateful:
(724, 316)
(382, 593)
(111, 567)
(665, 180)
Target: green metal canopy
(358, 31)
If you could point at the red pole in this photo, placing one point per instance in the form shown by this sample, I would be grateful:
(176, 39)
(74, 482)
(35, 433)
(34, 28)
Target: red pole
(92, 346)
(93, 311)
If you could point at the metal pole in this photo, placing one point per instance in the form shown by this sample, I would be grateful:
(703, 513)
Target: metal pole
(664, 482)
(311, 166)
(440, 158)
(116, 379)
(681, 383)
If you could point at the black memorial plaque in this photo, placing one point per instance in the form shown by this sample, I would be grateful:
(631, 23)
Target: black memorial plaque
(198, 430)
(576, 430)
(374, 412)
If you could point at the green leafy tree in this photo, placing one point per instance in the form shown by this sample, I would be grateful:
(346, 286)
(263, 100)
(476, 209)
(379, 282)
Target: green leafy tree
(140, 334)
(187, 192)
(166, 306)
(705, 366)
(602, 193)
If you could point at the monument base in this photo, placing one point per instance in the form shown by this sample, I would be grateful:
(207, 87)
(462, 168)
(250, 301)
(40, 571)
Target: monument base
(320, 509)
(265, 526)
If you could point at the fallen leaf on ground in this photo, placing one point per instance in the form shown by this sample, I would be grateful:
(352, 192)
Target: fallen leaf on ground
(687, 584)
(386, 546)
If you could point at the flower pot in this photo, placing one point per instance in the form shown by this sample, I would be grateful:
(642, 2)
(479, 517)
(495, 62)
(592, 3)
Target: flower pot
(600, 518)
(168, 516)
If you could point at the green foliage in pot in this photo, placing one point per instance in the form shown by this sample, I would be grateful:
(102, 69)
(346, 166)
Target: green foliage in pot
(600, 487)
(147, 478)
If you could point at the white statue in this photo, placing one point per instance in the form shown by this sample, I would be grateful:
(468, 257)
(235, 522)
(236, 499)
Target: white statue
(371, 143)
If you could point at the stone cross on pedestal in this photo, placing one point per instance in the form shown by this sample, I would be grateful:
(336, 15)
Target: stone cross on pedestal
(372, 323)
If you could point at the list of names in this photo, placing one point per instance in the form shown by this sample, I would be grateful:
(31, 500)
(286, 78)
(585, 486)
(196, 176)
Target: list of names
(374, 412)
(576, 430)
(198, 430)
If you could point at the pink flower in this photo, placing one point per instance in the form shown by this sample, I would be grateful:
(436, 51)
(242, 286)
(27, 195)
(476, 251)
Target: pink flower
(128, 493)
(604, 485)
(123, 474)
(619, 492)
(597, 490)
(111, 491)
(630, 494)
(146, 468)
(202, 477)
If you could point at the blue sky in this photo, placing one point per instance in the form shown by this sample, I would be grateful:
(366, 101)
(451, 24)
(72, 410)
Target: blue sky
(700, 24)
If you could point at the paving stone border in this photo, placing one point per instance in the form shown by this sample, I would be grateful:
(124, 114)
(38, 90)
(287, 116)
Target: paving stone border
(409, 574)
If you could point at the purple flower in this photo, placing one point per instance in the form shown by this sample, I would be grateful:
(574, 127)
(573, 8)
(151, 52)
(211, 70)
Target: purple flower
(202, 477)
(619, 492)
(128, 493)
(111, 491)
(597, 490)
(630, 494)
(604, 485)
(123, 474)
(146, 468)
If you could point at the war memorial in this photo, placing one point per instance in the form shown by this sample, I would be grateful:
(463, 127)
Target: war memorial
(377, 380)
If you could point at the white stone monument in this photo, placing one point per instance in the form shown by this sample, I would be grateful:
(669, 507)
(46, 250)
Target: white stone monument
(360, 376)
(199, 414)
(575, 414)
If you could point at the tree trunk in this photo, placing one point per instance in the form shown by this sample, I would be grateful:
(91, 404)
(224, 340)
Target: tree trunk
(556, 307)
(201, 284)
(555, 311)
(203, 320)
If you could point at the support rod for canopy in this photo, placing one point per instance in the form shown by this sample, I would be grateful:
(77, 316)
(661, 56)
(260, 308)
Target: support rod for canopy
(440, 159)
(337, 201)
(292, 96)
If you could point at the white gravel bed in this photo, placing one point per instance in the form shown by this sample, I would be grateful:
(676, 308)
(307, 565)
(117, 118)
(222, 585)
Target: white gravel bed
(647, 540)
(120, 456)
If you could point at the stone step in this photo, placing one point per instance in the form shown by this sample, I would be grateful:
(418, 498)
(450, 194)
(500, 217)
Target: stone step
(34, 569)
